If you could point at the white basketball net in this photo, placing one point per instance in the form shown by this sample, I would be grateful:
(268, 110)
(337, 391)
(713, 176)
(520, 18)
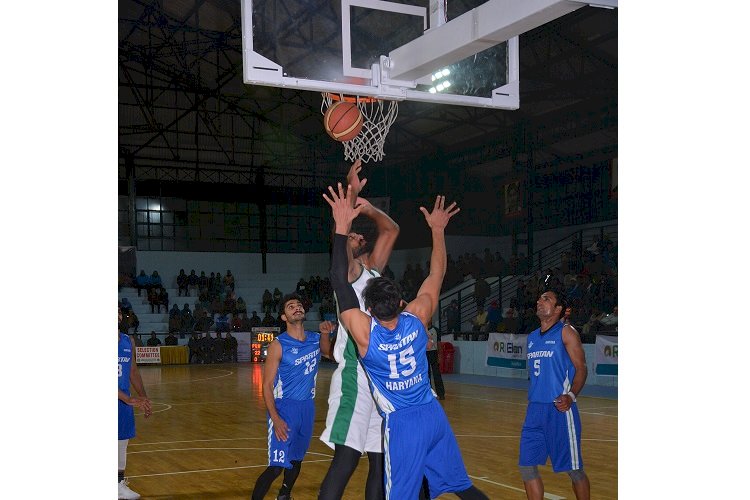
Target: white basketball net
(377, 120)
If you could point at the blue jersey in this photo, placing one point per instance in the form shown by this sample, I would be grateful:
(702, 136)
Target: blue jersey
(550, 368)
(298, 368)
(124, 359)
(396, 364)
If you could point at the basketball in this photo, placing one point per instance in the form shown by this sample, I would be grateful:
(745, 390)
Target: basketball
(343, 121)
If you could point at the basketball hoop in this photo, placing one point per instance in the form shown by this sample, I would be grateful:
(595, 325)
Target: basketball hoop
(377, 120)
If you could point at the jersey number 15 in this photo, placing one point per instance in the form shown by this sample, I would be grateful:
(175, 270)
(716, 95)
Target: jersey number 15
(407, 359)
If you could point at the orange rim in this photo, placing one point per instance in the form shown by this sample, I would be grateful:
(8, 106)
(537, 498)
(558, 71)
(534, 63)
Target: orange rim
(350, 98)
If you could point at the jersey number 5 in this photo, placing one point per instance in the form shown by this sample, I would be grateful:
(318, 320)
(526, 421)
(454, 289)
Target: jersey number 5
(537, 367)
(407, 359)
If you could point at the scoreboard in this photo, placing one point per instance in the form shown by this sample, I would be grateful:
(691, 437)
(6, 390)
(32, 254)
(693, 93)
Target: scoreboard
(261, 337)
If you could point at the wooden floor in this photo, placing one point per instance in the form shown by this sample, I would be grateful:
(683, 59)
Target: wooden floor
(207, 438)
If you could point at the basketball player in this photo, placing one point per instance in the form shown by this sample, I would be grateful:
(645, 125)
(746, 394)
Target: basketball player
(288, 391)
(127, 374)
(418, 440)
(552, 428)
(353, 424)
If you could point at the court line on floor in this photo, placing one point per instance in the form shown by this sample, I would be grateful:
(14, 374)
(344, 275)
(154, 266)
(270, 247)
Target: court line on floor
(213, 470)
(580, 410)
(265, 438)
(191, 380)
(549, 496)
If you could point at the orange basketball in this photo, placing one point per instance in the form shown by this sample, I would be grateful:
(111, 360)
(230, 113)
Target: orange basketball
(343, 121)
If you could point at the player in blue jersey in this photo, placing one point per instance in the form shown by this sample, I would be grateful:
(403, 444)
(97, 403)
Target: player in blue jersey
(127, 374)
(418, 440)
(289, 375)
(552, 428)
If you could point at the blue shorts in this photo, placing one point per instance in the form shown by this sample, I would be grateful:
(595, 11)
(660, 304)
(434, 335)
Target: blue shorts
(419, 442)
(299, 417)
(548, 432)
(125, 421)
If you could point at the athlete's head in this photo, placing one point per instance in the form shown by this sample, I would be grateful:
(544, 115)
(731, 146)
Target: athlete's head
(551, 304)
(358, 244)
(292, 310)
(382, 298)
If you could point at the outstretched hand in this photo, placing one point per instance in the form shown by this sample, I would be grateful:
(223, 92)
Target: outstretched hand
(440, 215)
(343, 212)
(352, 177)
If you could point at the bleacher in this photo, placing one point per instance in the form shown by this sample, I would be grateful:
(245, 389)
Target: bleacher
(250, 289)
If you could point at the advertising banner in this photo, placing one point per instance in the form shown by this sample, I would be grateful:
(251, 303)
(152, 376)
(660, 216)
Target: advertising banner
(506, 350)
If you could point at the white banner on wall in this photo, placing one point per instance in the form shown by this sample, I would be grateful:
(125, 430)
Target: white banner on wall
(147, 355)
(606, 355)
(506, 350)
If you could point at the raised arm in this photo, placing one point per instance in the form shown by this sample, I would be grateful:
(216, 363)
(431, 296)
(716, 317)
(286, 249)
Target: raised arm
(354, 320)
(325, 340)
(424, 305)
(387, 233)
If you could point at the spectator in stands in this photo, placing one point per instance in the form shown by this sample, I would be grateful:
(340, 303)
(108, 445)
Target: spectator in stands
(230, 346)
(453, 318)
(237, 322)
(230, 304)
(481, 292)
(125, 305)
(279, 322)
(175, 319)
(171, 339)
(153, 300)
(511, 317)
(163, 299)
(494, 316)
(229, 281)
(246, 326)
(241, 307)
(217, 348)
(254, 320)
(479, 323)
(182, 283)
(276, 299)
(203, 283)
(219, 285)
(222, 322)
(203, 322)
(268, 320)
(142, 282)
(216, 306)
(196, 353)
(138, 341)
(301, 287)
(187, 322)
(267, 301)
(207, 346)
(327, 306)
(153, 341)
(155, 280)
(529, 321)
(211, 286)
(432, 360)
(193, 281)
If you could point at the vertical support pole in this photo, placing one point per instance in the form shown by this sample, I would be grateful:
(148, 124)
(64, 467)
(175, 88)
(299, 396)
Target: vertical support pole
(130, 177)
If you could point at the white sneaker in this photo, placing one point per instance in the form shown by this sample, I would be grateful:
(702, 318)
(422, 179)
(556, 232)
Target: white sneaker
(123, 492)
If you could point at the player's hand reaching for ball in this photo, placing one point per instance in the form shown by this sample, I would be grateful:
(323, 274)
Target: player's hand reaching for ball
(440, 215)
(343, 212)
(352, 178)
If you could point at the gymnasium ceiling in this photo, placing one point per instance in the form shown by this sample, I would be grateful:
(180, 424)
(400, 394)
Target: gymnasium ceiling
(185, 114)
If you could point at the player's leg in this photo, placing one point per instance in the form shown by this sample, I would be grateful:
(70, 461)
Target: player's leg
(125, 432)
(406, 439)
(345, 461)
(564, 442)
(533, 449)
(300, 421)
(374, 484)
(264, 482)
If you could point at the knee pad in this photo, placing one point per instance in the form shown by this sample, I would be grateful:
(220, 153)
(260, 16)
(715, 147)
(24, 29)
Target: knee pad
(529, 472)
(577, 475)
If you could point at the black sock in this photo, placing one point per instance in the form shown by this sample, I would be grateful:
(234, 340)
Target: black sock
(120, 475)
(264, 481)
(290, 476)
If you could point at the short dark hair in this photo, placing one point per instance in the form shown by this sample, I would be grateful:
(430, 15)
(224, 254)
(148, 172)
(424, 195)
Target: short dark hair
(286, 298)
(562, 300)
(383, 298)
